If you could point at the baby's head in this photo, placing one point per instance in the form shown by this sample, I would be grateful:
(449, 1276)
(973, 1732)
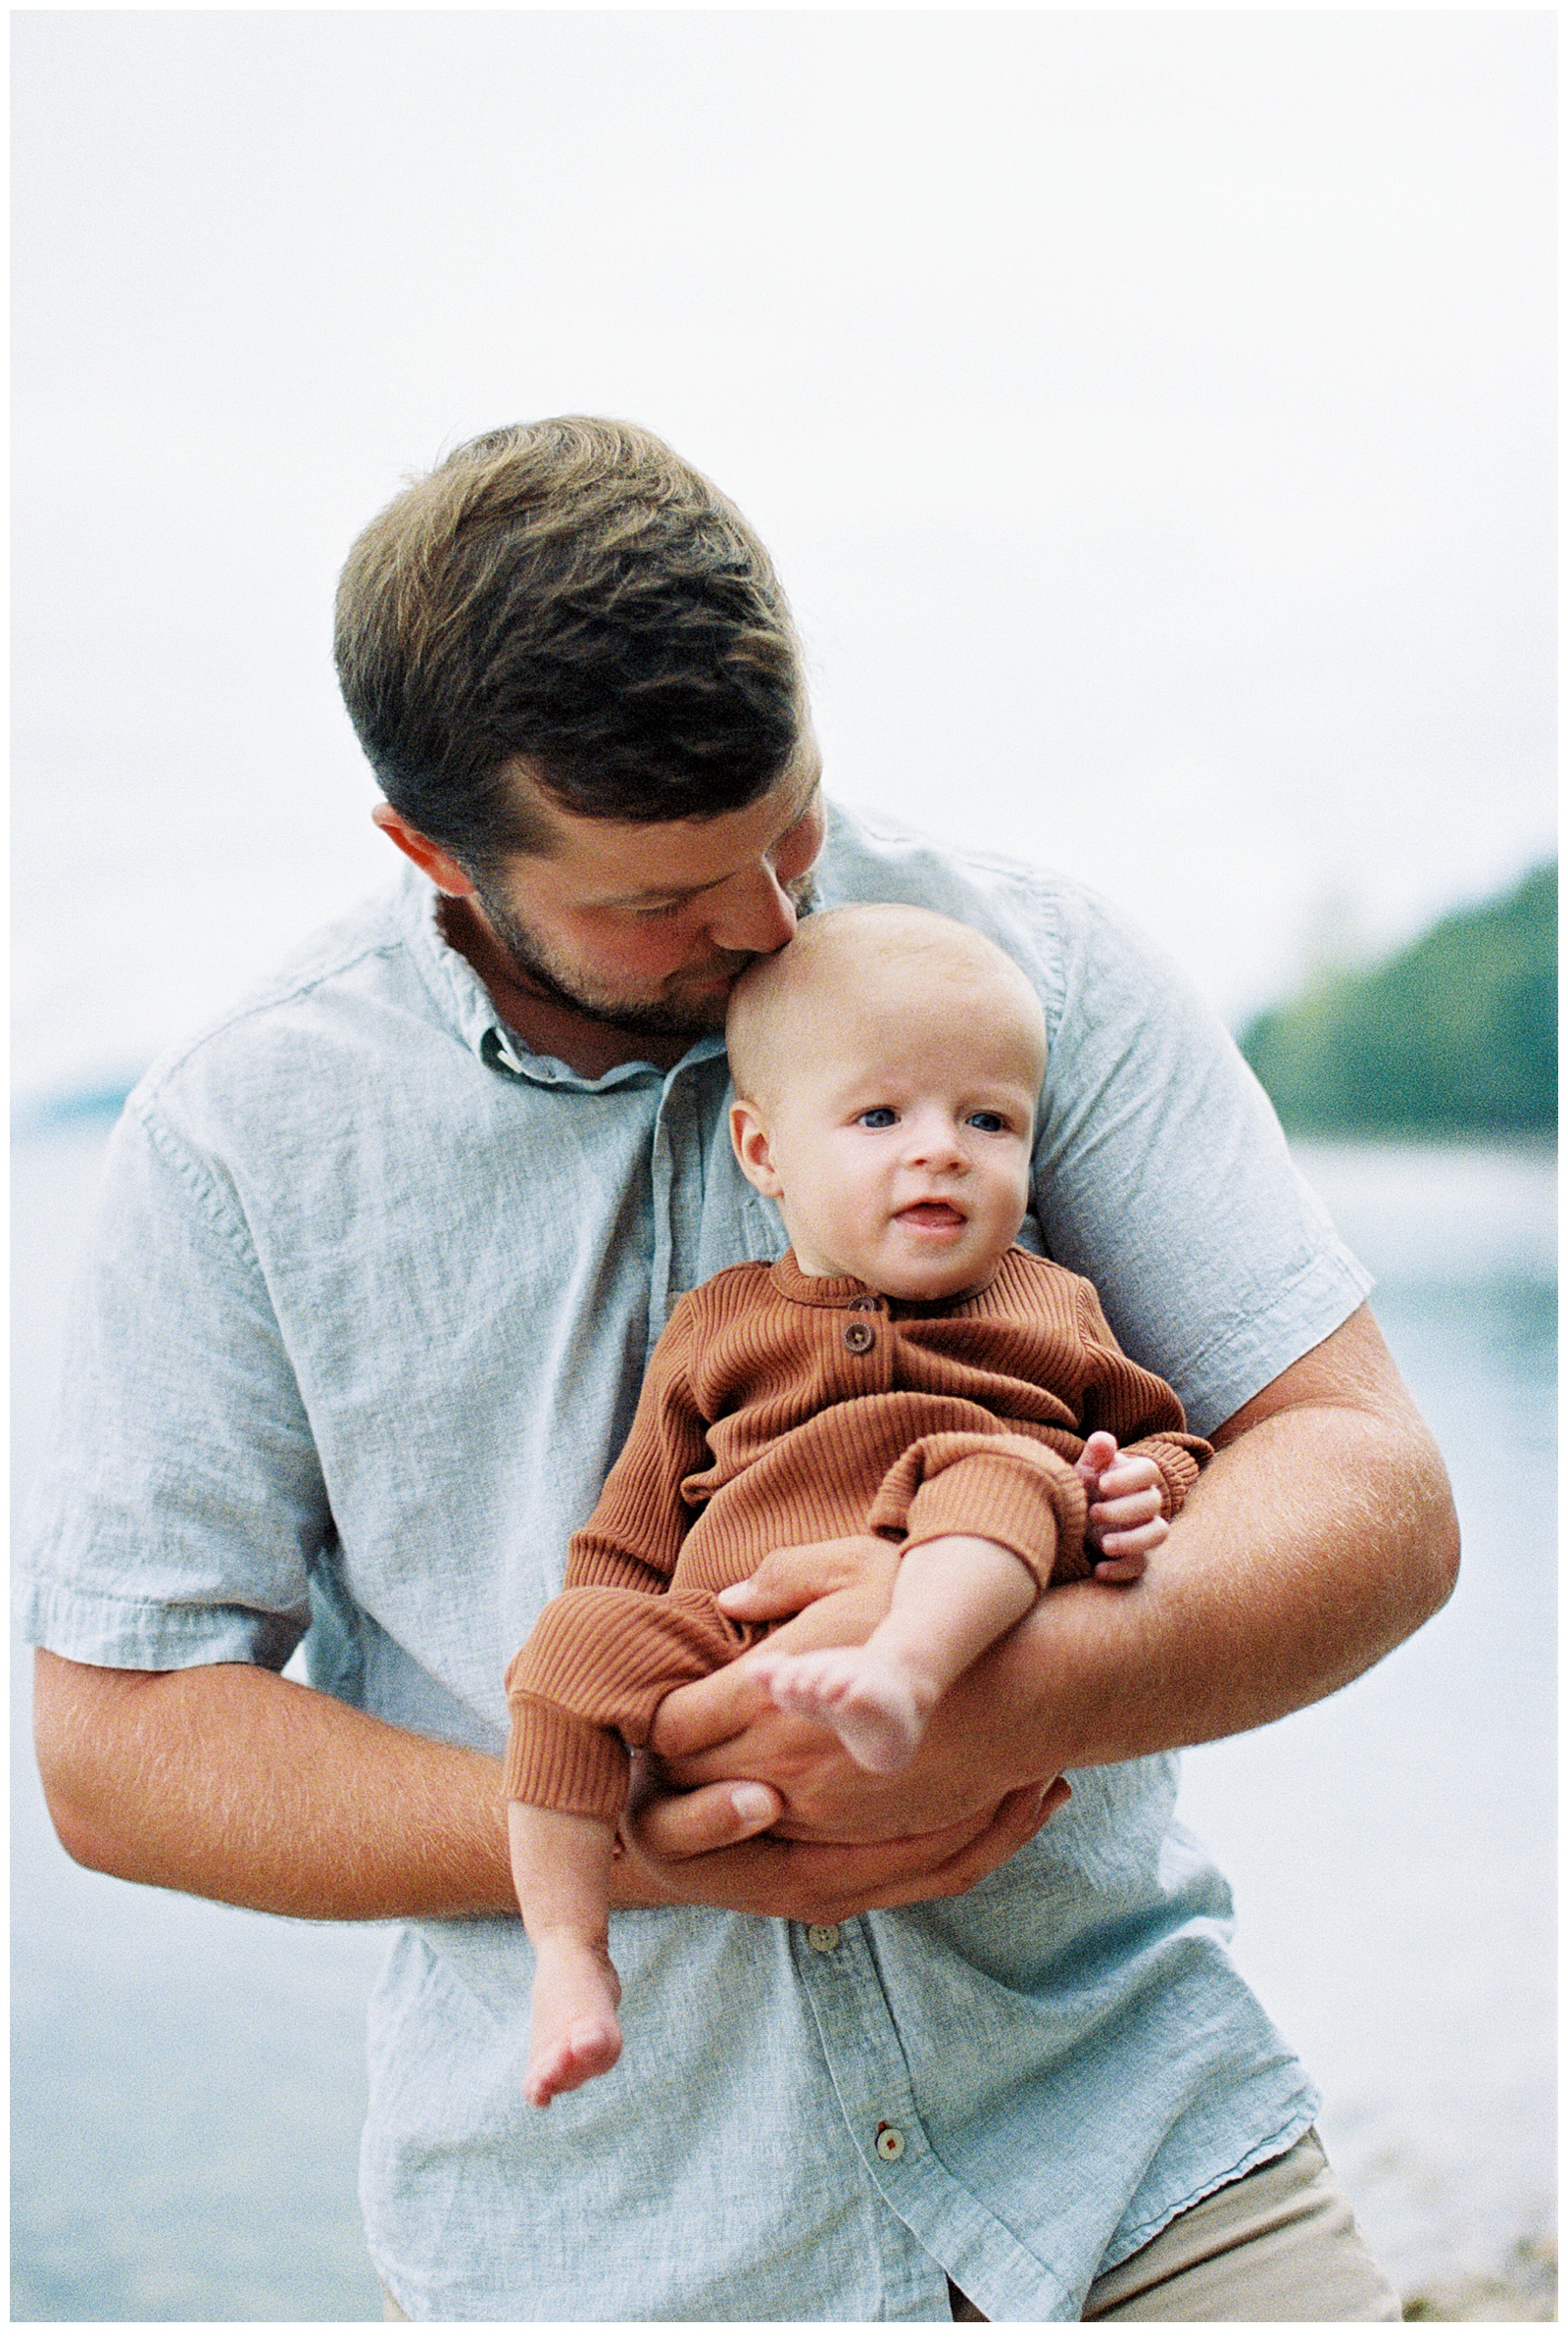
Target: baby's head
(887, 1063)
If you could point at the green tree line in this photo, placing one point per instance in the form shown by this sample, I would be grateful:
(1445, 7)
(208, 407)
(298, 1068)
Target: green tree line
(1457, 1033)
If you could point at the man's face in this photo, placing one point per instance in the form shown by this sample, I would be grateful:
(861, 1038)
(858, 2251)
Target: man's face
(647, 927)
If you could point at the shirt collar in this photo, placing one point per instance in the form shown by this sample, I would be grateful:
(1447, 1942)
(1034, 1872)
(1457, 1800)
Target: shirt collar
(470, 1009)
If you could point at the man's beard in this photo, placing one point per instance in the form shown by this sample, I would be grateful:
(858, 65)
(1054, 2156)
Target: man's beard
(662, 1014)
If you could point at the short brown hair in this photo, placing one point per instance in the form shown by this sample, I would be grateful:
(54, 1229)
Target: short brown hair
(572, 594)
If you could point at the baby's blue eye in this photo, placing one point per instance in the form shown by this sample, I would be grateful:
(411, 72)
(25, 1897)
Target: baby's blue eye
(876, 1120)
(988, 1120)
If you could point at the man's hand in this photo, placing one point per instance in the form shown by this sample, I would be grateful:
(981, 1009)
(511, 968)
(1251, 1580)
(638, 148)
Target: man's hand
(844, 1841)
(776, 1877)
(725, 1724)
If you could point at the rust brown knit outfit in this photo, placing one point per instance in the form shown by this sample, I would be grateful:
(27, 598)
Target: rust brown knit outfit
(779, 1411)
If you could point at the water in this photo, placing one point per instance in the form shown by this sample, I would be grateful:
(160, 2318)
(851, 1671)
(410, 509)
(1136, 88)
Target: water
(189, 2080)
(1392, 1849)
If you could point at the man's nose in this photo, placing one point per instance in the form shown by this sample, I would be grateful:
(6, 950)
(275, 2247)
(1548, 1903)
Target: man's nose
(753, 914)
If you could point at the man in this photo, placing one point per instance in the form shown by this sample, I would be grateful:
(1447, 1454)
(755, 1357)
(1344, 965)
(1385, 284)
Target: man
(381, 1259)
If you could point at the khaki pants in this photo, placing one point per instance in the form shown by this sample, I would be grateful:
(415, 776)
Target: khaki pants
(1277, 2246)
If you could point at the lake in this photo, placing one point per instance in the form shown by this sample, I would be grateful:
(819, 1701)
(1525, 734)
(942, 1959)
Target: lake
(188, 2079)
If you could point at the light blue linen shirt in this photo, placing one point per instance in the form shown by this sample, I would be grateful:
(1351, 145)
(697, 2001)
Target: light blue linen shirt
(370, 1301)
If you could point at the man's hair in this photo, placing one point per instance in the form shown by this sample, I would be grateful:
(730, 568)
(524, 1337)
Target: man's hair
(569, 593)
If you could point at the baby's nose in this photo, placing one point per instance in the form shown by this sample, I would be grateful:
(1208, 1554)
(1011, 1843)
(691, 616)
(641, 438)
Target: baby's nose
(935, 1144)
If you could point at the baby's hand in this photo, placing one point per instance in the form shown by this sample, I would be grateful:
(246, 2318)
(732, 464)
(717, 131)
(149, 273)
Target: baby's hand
(1125, 1499)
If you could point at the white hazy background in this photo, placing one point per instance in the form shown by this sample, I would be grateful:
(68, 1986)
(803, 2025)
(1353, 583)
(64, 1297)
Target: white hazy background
(1151, 414)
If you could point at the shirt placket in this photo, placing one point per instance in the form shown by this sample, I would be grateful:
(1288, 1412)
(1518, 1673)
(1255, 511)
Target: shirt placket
(855, 2019)
(679, 1179)
(871, 2082)
(870, 2078)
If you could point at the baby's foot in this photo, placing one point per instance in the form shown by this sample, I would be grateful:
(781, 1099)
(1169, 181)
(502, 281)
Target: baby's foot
(584, 2051)
(576, 2033)
(871, 1705)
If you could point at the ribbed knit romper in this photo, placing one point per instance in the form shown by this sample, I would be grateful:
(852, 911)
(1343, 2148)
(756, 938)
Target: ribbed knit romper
(779, 1411)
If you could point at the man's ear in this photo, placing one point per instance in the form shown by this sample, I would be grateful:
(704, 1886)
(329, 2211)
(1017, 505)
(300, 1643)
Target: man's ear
(430, 859)
(754, 1148)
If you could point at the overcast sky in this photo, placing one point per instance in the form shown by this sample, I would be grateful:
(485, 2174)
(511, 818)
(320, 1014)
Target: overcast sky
(1150, 413)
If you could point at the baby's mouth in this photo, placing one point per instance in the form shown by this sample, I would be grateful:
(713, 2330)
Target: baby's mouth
(933, 1215)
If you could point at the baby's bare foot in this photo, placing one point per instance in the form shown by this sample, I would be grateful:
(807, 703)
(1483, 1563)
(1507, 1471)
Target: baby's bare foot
(576, 2033)
(581, 2054)
(871, 1705)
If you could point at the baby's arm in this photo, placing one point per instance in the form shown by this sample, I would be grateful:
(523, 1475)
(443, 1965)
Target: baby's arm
(1126, 1494)
(1137, 1491)
(560, 1862)
(634, 1534)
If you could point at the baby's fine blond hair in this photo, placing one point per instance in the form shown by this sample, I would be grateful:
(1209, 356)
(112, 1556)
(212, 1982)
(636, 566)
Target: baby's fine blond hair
(876, 962)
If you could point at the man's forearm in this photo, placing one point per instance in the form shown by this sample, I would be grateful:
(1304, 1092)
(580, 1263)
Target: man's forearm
(234, 1783)
(1321, 1536)
(231, 1782)
(1317, 1540)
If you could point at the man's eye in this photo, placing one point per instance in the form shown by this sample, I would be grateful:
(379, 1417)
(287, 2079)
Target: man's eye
(876, 1121)
(987, 1122)
(651, 915)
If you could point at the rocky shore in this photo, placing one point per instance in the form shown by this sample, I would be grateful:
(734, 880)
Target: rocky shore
(1523, 2290)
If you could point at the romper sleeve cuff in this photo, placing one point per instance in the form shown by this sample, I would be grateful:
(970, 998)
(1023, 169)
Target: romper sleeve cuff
(565, 1761)
(1013, 1491)
(1180, 1458)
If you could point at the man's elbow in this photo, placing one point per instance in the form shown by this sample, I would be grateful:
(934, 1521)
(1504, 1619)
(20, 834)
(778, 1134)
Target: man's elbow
(1434, 1537)
(82, 1837)
(1446, 1555)
(76, 1825)
(73, 1738)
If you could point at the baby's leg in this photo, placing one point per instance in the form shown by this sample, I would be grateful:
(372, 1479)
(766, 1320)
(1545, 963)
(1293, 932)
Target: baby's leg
(952, 1599)
(560, 1869)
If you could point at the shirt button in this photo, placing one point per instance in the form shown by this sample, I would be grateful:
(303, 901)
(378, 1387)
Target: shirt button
(866, 1304)
(889, 2143)
(860, 1335)
(823, 1939)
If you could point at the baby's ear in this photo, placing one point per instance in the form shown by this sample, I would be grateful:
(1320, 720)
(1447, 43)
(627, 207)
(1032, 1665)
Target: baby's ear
(754, 1148)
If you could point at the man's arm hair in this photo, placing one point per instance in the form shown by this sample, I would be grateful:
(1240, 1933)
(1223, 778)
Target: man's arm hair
(1320, 1537)
(235, 1783)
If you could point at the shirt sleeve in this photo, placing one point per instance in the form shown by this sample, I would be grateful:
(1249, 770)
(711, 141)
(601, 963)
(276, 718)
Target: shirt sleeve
(181, 1504)
(1162, 1176)
(635, 1532)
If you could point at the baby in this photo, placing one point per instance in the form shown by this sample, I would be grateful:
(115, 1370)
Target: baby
(906, 1370)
